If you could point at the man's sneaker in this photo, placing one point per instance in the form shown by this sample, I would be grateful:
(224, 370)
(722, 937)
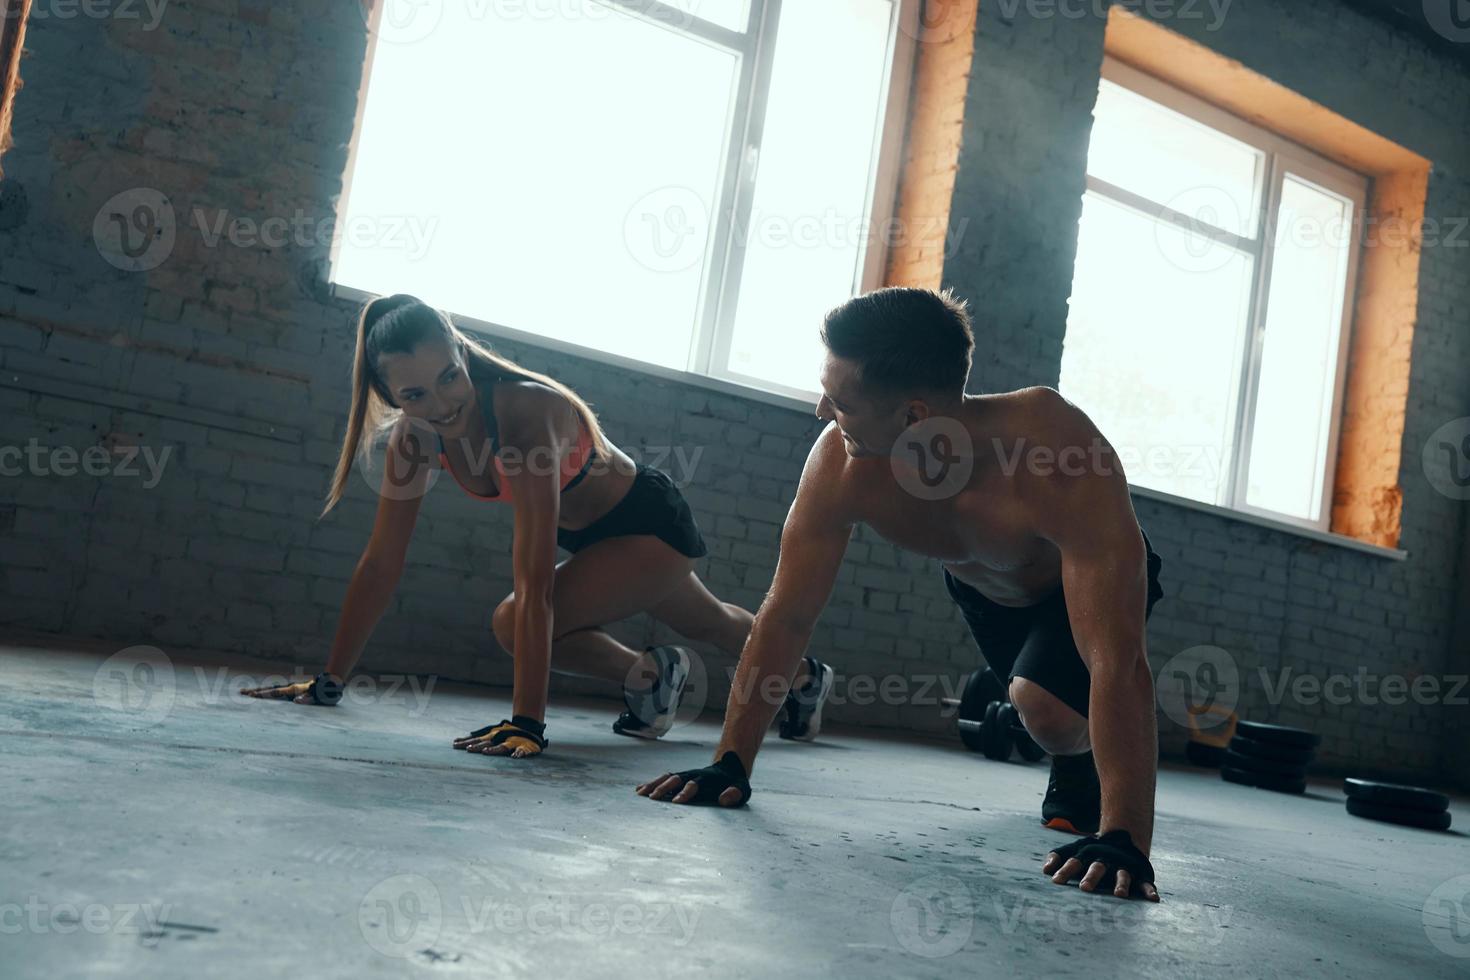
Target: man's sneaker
(1073, 801)
(801, 713)
(650, 713)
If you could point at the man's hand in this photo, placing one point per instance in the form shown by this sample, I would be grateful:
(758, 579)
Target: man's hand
(1110, 863)
(724, 782)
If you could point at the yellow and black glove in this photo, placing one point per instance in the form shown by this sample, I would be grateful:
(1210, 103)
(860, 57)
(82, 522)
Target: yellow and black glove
(520, 732)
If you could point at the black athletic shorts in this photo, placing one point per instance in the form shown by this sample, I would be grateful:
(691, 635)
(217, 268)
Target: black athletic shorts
(653, 506)
(1035, 642)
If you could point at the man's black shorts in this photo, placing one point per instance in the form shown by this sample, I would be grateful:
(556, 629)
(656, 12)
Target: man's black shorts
(1035, 642)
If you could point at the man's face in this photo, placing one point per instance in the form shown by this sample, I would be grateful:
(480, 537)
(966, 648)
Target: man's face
(870, 424)
(431, 384)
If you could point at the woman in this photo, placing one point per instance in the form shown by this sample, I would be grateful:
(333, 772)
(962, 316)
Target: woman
(510, 435)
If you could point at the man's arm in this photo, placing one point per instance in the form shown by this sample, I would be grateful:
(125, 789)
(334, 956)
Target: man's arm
(1087, 513)
(813, 541)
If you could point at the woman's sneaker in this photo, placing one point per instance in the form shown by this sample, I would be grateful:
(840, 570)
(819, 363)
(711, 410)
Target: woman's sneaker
(650, 713)
(801, 713)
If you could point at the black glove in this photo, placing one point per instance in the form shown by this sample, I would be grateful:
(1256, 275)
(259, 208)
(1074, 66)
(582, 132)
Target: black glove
(1114, 849)
(521, 732)
(325, 689)
(715, 779)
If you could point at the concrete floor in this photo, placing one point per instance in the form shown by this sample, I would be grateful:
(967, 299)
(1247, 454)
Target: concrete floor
(154, 825)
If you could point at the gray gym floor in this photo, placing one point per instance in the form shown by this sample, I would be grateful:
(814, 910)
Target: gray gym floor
(157, 826)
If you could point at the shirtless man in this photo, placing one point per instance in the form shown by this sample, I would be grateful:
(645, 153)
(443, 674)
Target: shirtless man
(1026, 507)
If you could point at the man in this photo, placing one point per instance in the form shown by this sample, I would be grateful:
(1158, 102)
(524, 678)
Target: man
(1023, 502)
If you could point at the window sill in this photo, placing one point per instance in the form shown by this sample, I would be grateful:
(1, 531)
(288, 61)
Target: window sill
(806, 406)
(1324, 537)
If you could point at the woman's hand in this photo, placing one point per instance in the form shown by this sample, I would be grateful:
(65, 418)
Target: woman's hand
(517, 738)
(324, 689)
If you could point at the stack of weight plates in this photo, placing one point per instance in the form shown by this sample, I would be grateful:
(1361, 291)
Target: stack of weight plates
(1270, 757)
(1406, 805)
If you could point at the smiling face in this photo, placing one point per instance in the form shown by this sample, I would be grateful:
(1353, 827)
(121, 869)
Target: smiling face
(432, 384)
(870, 421)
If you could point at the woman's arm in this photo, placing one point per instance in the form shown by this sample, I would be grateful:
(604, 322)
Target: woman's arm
(534, 438)
(405, 481)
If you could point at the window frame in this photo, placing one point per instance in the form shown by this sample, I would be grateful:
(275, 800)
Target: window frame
(1280, 155)
(713, 327)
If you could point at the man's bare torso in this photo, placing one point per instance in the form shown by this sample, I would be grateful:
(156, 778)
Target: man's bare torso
(989, 532)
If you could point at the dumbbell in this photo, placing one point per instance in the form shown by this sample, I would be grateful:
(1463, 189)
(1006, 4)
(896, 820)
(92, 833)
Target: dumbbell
(984, 692)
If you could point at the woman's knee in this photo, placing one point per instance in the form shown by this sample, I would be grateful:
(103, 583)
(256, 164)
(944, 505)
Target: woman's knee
(1054, 726)
(503, 623)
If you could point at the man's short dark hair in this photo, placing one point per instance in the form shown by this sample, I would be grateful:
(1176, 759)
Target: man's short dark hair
(904, 340)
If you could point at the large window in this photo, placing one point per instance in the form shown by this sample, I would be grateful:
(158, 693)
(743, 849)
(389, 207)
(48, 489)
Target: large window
(1211, 299)
(685, 184)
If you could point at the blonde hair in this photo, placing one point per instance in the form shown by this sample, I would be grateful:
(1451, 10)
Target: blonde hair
(396, 325)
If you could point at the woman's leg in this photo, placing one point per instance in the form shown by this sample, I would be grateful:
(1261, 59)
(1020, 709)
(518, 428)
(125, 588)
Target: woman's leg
(692, 611)
(604, 583)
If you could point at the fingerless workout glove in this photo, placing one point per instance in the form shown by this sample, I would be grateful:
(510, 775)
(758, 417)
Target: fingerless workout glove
(715, 779)
(325, 689)
(520, 732)
(1115, 850)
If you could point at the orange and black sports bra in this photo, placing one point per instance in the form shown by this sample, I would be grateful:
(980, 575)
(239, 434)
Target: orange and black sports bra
(574, 465)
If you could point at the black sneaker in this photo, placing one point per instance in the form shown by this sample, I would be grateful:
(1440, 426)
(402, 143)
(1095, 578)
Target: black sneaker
(801, 713)
(650, 713)
(1073, 801)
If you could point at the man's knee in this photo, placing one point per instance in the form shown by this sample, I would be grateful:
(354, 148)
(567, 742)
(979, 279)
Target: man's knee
(1056, 727)
(503, 623)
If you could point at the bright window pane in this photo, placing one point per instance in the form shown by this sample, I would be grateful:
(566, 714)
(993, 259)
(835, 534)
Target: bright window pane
(561, 185)
(808, 227)
(1173, 160)
(726, 13)
(1153, 344)
(1289, 438)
